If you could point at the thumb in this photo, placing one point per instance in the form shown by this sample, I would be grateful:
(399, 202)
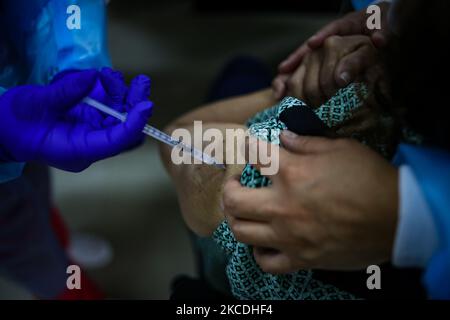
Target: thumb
(68, 90)
(106, 143)
(304, 144)
(379, 39)
(109, 142)
(139, 90)
(129, 133)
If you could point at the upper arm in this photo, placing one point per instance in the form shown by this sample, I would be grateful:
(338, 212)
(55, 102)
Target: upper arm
(199, 186)
(233, 110)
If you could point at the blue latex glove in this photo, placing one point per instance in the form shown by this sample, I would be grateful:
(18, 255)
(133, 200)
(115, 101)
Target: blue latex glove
(51, 125)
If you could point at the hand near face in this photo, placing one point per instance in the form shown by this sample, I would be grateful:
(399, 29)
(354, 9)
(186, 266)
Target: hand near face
(351, 24)
(339, 62)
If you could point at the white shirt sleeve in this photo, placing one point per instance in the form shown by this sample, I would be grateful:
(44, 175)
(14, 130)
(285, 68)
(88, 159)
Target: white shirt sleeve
(416, 238)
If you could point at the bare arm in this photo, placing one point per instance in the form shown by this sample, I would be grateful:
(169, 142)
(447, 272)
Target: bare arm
(233, 110)
(199, 186)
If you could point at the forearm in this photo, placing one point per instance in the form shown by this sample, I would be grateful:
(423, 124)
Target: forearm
(232, 110)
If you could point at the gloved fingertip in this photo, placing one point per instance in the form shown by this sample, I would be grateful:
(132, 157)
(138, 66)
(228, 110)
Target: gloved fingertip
(143, 79)
(139, 90)
(143, 82)
(144, 108)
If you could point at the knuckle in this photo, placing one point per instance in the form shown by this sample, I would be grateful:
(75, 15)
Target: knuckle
(277, 83)
(237, 232)
(229, 201)
(293, 83)
(232, 223)
(288, 173)
(332, 42)
(357, 60)
(271, 209)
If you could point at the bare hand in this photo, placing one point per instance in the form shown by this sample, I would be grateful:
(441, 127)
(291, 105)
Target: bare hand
(340, 61)
(351, 24)
(332, 205)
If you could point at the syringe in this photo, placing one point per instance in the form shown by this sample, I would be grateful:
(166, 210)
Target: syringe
(156, 134)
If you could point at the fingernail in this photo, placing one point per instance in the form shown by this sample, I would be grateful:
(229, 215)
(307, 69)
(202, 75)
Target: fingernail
(284, 63)
(313, 38)
(345, 76)
(289, 134)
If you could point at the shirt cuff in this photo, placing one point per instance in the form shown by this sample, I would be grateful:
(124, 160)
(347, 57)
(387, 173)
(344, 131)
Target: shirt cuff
(416, 237)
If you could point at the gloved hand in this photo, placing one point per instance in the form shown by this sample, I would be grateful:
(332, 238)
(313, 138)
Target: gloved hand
(50, 123)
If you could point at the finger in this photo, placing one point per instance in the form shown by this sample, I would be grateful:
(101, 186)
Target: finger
(115, 87)
(139, 90)
(353, 65)
(102, 144)
(274, 262)
(344, 26)
(295, 83)
(252, 233)
(303, 144)
(245, 203)
(68, 90)
(294, 60)
(311, 88)
(279, 86)
(326, 79)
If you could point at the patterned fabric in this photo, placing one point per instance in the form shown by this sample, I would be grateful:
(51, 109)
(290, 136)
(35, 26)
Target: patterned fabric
(249, 282)
(246, 279)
